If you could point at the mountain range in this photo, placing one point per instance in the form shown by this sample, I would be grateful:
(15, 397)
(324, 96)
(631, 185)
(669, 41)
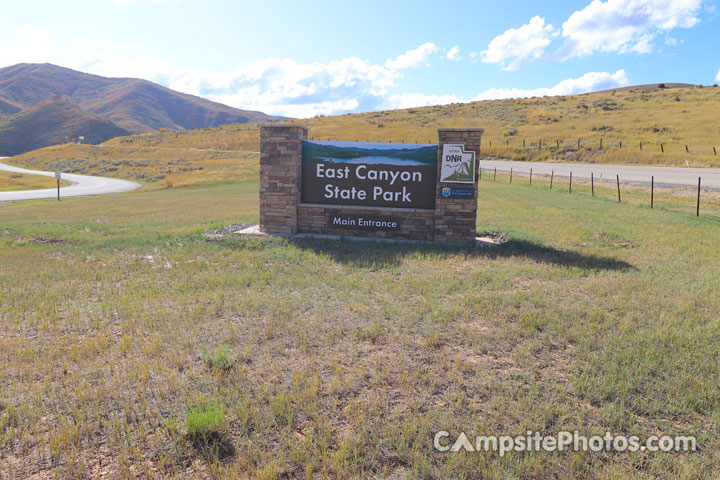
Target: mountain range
(43, 104)
(318, 151)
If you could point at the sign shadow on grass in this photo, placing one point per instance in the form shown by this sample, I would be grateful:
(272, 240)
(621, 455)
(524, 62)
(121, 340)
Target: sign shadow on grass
(375, 254)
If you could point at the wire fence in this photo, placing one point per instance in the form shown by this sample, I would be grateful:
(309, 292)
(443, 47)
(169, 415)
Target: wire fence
(602, 144)
(678, 198)
(557, 145)
(694, 200)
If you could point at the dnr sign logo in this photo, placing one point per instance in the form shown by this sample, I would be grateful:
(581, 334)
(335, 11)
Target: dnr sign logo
(458, 166)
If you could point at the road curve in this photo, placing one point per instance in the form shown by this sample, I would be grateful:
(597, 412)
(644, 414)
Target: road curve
(82, 185)
(636, 174)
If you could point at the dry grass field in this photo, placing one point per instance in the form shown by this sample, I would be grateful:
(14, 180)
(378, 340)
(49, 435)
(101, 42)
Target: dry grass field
(21, 181)
(154, 167)
(674, 199)
(133, 347)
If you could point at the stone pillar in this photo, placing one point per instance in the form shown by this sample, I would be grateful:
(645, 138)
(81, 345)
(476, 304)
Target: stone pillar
(280, 177)
(456, 218)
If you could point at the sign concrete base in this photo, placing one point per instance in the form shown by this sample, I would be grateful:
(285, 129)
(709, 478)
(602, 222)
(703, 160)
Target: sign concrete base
(255, 230)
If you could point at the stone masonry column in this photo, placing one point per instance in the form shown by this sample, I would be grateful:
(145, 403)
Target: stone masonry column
(280, 177)
(456, 218)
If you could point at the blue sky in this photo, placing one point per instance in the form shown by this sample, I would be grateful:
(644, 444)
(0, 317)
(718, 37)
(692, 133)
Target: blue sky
(310, 58)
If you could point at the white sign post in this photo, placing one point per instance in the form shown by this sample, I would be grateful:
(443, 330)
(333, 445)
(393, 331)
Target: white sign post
(57, 177)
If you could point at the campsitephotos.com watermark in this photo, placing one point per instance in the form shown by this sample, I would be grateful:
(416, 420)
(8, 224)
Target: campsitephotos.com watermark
(562, 441)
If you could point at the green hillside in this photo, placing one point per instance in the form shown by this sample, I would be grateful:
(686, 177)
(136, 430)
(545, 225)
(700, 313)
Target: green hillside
(134, 104)
(49, 123)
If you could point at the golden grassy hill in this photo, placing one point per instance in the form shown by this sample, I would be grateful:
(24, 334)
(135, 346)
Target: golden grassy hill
(674, 117)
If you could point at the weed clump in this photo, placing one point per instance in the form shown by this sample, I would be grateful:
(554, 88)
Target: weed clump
(204, 421)
(220, 357)
(207, 429)
(9, 417)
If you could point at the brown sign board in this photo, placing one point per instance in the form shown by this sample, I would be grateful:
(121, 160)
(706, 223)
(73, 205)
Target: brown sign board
(369, 174)
(390, 190)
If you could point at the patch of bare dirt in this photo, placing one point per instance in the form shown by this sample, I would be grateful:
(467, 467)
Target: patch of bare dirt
(611, 239)
(493, 236)
(230, 229)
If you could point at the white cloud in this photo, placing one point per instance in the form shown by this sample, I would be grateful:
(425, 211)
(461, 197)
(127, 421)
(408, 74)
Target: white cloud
(454, 54)
(28, 44)
(624, 25)
(621, 26)
(717, 77)
(32, 36)
(643, 45)
(671, 42)
(272, 85)
(277, 86)
(285, 87)
(519, 45)
(25, 44)
(590, 82)
(412, 58)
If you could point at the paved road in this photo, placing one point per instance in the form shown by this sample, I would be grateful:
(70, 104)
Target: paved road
(82, 185)
(670, 176)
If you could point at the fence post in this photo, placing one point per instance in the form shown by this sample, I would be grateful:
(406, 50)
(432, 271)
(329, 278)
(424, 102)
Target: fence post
(557, 143)
(511, 171)
(652, 191)
(601, 144)
(494, 174)
(662, 148)
(714, 151)
(570, 182)
(687, 150)
(578, 143)
(552, 176)
(618, 185)
(640, 145)
(531, 176)
(523, 143)
(620, 143)
(697, 213)
(592, 183)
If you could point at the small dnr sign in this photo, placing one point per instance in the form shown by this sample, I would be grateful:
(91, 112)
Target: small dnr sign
(458, 166)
